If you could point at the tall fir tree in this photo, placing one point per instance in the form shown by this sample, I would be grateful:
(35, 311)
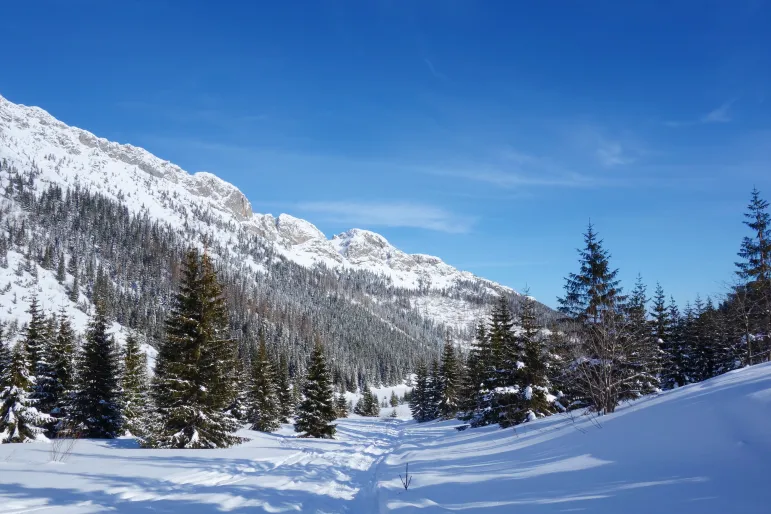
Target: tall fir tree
(263, 412)
(449, 403)
(286, 401)
(193, 384)
(755, 267)
(367, 404)
(501, 368)
(534, 375)
(420, 396)
(316, 411)
(45, 391)
(62, 361)
(341, 405)
(5, 354)
(96, 406)
(595, 289)
(20, 421)
(136, 388)
(435, 387)
(35, 335)
(642, 361)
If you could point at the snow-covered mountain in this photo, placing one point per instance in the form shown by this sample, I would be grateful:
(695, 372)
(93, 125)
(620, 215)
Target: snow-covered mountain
(149, 185)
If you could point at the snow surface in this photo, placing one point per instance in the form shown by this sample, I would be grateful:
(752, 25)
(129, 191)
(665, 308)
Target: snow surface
(704, 448)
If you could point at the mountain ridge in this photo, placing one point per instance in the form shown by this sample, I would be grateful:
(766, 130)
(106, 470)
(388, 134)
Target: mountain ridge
(297, 239)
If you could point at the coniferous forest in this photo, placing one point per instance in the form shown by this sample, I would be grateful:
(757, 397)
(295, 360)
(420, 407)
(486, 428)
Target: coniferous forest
(229, 355)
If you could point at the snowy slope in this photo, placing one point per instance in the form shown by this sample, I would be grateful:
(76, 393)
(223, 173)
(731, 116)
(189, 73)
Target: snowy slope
(702, 449)
(149, 185)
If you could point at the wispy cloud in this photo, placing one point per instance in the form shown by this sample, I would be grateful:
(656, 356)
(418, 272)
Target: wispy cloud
(612, 153)
(721, 114)
(433, 70)
(386, 214)
(508, 179)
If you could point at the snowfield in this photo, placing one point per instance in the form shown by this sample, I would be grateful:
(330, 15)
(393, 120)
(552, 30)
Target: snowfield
(700, 449)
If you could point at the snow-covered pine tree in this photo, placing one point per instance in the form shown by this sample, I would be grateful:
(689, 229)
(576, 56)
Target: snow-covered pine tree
(393, 400)
(45, 391)
(286, 401)
(593, 306)
(673, 373)
(34, 335)
(62, 361)
(502, 367)
(60, 270)
(755, 267)
(239, 407)
(474, 391)
(435, 387)
(367, 404)
(96, 406)
(595, 289)
(5, 354)
(662, 332)
(263, 412)
(193, 387)
(136, 388)
(341, 406)
(642, 363)
(20, 421)
(317, 408)
(419, 397)
(535, 390)
(449, 404)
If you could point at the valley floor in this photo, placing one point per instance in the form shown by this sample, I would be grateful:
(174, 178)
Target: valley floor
(700, 449)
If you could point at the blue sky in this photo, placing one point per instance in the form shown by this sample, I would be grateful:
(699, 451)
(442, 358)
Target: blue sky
(487, 133)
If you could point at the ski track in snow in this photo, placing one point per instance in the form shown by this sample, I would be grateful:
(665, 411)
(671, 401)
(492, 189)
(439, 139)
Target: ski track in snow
(701, 449)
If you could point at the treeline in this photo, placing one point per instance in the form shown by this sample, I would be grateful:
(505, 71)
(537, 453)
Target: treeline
(90, 242)
(607, 346)
(201, 393)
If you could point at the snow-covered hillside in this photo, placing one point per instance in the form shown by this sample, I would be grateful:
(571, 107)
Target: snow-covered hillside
(146, 184)
(704, 448)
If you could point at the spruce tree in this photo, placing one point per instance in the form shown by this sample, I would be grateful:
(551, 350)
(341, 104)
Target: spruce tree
(594, 290)
(501, 369)
(642, 362)
(474, 391)
(435, 387)
(394, 400)
(341, 406)
(367, 404)
(62, 361)
(96, 406)
(755, 267)
(35, 336)
(263, 412)
(286, 401)
(60, 271)
(317, 408)
(46, 390)
(449, 404)
(535, 391)
(594, 307)
(193, 385)
(74, 291)
(136, 389)
(675, 351)
(20, 421)
(5, 354)
(419, 397)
